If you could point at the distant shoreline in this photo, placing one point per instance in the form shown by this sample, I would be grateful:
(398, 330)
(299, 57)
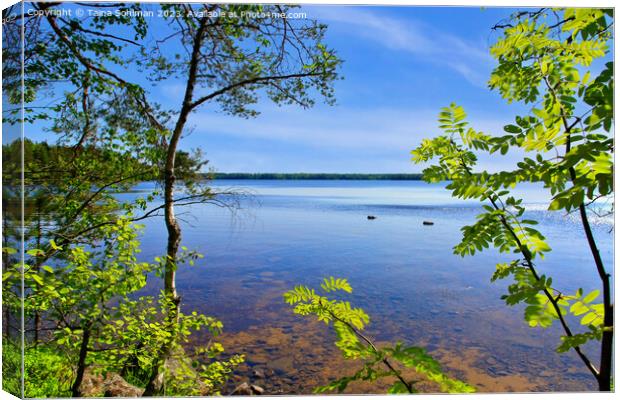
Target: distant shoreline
(315, 176)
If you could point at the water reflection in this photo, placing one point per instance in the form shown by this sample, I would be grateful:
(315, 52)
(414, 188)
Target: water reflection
(403, 273)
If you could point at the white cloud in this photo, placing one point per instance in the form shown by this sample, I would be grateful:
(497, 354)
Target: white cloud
(346, 138)
(471, 60)
(337, 127)
(343, 139)
(329, 127)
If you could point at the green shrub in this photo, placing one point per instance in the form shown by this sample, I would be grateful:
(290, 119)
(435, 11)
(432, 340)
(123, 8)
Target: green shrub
(47, 372)
(11, 367)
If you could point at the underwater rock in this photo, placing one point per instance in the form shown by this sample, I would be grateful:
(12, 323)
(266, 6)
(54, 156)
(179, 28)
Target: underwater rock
(118, 387)
(242, 390)
(258, 374)
(257, 389)
(108, 385)
(245, 389)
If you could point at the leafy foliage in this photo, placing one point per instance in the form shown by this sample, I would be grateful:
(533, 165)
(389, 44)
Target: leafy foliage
(143, 327)
(47, 371)
(348, 323)
(97, 323)
(109, 137)
(568, 130)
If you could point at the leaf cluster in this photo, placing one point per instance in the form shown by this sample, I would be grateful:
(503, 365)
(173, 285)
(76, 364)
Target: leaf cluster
(348, 323)
(568, 146)
(89, 302)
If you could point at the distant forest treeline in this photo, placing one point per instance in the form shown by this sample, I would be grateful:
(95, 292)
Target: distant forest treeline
(43, 154)
(318, 176)
(42, 160)
(45, 162)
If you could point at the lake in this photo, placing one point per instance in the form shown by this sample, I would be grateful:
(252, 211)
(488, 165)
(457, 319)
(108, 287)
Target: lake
(404, 274)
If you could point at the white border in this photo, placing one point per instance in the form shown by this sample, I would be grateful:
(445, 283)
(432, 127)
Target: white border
(477, 3)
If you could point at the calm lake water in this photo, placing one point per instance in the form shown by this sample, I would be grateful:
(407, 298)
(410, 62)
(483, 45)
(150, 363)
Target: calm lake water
(404, 275)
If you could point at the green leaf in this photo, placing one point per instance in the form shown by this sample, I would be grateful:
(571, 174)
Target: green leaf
(512, 129)
(332, 284)
(589, 318)
(37, 279)
(398, 388)
(35, 252)
(591, 296)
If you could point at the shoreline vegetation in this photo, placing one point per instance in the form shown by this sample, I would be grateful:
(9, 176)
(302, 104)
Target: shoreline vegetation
(314, 176)
(43, 153)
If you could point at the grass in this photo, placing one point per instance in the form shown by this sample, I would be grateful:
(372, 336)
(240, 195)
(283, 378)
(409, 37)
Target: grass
(47, 372)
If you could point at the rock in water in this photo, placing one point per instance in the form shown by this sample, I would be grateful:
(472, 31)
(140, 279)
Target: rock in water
(242, 390)
(257, 389)
(428, 223)
(108, 385)
(371, 217)
(118, 387)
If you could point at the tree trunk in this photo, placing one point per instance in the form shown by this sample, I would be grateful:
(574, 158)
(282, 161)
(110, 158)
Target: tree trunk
(604, 378)
(604, 383)
(174, 230)
(155, 384)
(156, 379)
(604, 373)
(81, 365)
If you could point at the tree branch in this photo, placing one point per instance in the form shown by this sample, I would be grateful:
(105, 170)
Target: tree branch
(530, 265)
(259, 80)
(607, 340)
(140, 98)
(385, 360)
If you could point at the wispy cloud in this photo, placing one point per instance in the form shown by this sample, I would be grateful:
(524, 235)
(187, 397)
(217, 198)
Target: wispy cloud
(360, 136)
(323, 128)
(471, 60)
(339, 138)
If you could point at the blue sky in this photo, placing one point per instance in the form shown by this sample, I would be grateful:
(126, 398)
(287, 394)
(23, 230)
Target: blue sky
(401, 65)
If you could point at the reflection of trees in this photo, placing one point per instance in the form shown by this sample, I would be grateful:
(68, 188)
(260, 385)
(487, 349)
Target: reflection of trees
(11, 161)
(11, 237)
